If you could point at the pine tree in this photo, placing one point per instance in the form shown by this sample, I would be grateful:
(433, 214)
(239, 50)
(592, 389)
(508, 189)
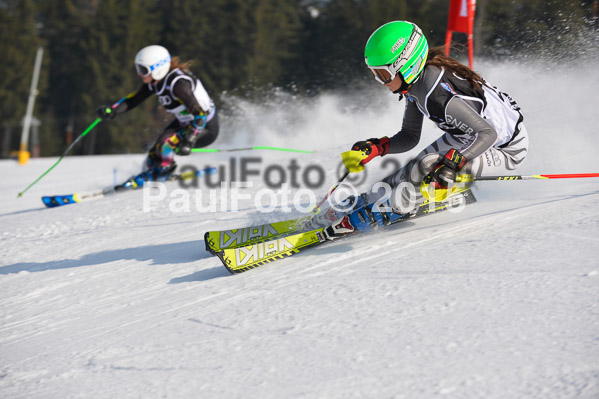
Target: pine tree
(237, 45)
(64, 29)
(118, 31)
(189, 32)
(276, 41)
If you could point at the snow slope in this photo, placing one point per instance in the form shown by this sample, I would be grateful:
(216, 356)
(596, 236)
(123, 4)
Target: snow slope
(104, 300)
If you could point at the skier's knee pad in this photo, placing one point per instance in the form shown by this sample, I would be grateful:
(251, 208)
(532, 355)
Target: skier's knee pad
(422, 167)
(406, 194)
(405, 197)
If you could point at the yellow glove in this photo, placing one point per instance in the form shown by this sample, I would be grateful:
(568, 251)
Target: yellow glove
(353, 160)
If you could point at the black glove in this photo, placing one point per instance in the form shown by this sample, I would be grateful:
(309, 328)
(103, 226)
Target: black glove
(445, 171)
(191, 134)
(188, 138)
(184, 148)
(372, 148)
(106, 112)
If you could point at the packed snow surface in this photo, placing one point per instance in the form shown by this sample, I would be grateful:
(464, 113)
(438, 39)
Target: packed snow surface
(104, 299)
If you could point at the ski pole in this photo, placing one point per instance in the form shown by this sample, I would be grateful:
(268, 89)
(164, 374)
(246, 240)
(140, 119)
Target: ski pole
(353, 163)
(470, 178)
(250, 148)
(441, 194)
(85, 132)
(328, 194)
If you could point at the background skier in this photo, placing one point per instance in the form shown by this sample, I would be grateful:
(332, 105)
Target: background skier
(181, 94)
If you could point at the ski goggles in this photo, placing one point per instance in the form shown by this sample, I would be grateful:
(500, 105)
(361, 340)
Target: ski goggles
(383, 74)
(142, 70)
(145, 70)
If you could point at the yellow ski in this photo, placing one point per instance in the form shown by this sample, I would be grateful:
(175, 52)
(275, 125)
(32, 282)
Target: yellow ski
(280, 240)
(247, 257)
(216, 241)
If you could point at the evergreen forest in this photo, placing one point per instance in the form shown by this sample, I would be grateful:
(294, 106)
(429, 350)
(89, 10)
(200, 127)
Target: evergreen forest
(240, 47)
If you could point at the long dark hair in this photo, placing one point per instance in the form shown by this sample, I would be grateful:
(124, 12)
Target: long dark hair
(437, 57)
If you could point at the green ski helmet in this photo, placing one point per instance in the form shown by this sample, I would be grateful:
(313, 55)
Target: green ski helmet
(396, 47)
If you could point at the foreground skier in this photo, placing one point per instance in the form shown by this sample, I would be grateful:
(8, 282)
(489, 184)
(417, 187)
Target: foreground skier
(483, 136)
(181, 94)
(483, 130)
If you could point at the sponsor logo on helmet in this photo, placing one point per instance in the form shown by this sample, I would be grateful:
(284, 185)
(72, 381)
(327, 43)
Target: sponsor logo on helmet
(397, 62)
(405, 55)
(398, 44)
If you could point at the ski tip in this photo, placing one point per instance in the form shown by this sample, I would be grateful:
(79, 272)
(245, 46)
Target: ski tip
(209, 243)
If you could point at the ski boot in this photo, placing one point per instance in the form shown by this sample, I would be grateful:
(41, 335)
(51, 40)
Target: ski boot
(354, 202)
(374, 215)
(325, 218)
(366, 218)
(155, 174)
(338, 221)
(163, 173)
(339, 228)
(322, 219)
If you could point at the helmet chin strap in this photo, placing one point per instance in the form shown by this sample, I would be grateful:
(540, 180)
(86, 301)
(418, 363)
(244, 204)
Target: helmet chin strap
(403, 89)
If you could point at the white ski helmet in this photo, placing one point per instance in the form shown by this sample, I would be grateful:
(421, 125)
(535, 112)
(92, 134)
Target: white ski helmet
(154, 60)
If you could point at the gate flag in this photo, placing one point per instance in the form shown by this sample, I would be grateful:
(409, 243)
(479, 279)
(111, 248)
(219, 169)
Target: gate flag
(461, 19)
